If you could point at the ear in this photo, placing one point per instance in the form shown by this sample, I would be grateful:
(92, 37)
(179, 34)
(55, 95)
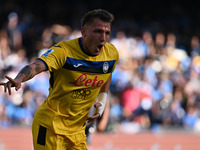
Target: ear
(83, 31)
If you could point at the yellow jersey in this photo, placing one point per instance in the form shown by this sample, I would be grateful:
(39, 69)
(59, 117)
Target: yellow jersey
(75, 81)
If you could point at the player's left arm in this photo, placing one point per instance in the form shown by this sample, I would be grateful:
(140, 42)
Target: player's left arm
(102, 98)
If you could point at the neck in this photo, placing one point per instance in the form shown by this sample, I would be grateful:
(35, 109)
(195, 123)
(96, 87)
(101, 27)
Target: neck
(82, 45)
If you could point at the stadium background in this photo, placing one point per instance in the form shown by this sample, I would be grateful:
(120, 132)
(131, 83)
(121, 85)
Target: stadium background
(164, 124)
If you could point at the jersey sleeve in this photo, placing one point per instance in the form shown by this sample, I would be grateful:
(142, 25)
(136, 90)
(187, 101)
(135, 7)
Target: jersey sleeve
(54, 57)
(116, 55)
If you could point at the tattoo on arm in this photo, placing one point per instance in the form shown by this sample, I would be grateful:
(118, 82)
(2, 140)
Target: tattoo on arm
(25, 71)
(29, 71)
(38, 68)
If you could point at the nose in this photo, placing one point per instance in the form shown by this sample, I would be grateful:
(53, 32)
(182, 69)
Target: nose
(103, 37)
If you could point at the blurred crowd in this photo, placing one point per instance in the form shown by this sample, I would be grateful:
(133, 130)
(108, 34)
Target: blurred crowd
(156, 82)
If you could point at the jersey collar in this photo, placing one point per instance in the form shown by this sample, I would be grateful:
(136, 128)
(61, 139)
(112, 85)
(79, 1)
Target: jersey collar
(81, 45)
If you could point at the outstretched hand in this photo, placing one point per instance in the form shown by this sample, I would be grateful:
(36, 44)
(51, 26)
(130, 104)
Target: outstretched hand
(96, 115)
(11, 83)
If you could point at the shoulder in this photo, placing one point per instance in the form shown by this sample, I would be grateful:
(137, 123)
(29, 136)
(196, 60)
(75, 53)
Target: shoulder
(111, 47)
(71, 42)
(112, 50)
(71, 45)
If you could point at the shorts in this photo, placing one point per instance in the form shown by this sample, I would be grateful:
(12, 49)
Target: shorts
(45, 139)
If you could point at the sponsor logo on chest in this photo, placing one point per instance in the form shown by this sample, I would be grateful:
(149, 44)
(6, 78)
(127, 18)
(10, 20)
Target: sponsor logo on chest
(83, 80)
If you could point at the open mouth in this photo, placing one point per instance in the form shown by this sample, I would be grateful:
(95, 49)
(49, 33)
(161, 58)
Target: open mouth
(100, 46)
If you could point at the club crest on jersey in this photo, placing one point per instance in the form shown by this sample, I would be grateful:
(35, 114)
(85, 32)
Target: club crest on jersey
(48, 52)
(105, 67)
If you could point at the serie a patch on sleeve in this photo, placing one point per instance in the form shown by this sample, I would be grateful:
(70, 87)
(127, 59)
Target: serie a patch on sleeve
(49, 51)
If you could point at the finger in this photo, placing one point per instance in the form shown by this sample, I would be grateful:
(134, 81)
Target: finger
(11, 80)
(9, 88)
(5, 87)
(93, 117)
(17, 87)
(96, 115)
(90, 120)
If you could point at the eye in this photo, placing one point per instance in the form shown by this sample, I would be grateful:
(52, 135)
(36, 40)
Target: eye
(108, 33)
(98, 31)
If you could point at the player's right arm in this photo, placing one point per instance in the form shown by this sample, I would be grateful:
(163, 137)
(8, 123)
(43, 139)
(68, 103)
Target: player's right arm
(26, 73)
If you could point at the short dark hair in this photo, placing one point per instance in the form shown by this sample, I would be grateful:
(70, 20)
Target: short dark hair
(97, 13)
